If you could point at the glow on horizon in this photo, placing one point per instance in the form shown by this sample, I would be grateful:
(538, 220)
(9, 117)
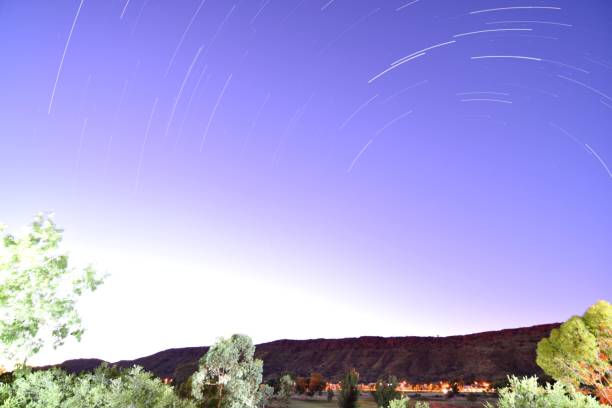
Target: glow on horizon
(273, 166)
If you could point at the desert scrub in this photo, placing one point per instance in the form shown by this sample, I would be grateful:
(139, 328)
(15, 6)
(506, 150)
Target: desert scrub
(104, 388)
(526, 393)
(399, 403)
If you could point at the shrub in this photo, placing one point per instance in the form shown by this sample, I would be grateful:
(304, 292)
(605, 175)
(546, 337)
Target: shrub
(316, 384)
(399, 403)
(301, 385)
(265, 395)
(421, 404)
(386, 391)
(349, 393)
(103, 388)
(285, 389)
(526, 393)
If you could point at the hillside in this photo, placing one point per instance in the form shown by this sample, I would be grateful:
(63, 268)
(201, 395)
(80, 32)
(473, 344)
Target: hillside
(488, 356)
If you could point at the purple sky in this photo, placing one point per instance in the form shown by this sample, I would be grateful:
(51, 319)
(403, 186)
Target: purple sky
(240, 166)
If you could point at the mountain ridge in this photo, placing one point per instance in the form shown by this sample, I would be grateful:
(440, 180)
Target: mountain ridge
(490, 355)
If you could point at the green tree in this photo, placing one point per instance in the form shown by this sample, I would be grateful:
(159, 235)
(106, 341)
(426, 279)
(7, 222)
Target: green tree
(349, 391)
(231, 370)
(386, 391)
(39, 290)
(265, 395)
(579, 352)
(104, 388)
(526, 393)
(285, 389)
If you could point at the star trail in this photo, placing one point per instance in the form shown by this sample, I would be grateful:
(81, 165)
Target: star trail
(459, 151)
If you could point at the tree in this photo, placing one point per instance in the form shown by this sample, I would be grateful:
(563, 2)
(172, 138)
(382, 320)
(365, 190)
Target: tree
(230, 369)
(265, 395)
(104, 388)
(285, 389)
(526, 393)
(579, 352)
(274, 383)
(386, 391)
(349, 391)
(39, 290)
(301, 385)
(316, 384)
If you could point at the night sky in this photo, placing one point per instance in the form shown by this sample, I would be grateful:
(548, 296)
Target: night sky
(313, 168)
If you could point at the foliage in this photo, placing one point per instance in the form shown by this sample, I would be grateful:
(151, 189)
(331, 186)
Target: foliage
(399, 402)
(580, 351)
(386, 391)
(265, 395)
(274, 383)
(455, 386)
(285, 389)
(38, 291)
(349, 392)
(316, 384)
(104, 388)
(231, 371)
(301, 385)
(526, 393)
(421, 404)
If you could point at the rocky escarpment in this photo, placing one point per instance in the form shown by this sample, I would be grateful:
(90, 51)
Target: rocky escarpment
(489, 355)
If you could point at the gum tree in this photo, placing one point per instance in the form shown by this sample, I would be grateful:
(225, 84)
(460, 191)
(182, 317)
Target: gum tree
(39, 290)
(579, 351)
(231, 371)
(286, 385)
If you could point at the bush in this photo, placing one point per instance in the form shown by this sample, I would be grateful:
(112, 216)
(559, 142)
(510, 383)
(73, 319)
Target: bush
(526, 393)
(265, 395)
(421, 404)
(399, 403)
(349, 393)
(103, 388)
(315, 384)
(285, 389)
(386, 391)
(301, 385)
